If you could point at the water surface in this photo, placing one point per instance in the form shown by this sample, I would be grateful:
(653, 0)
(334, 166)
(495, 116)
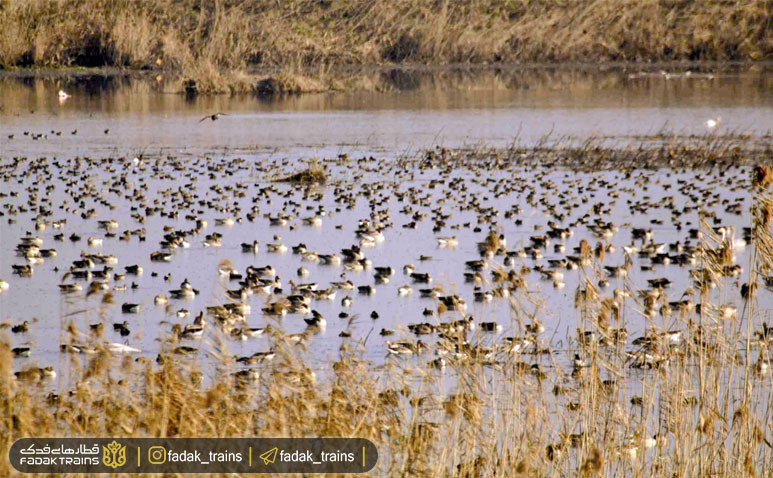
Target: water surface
(417, 110)
(120, 118)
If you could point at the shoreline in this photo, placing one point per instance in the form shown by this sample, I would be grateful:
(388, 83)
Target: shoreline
(603, 66)
(278, 81)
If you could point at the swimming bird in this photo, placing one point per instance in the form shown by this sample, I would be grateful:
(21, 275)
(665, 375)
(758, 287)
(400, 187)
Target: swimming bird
(250, 247)
(317, 320)
(404, 347)
(447, 242)
(128, 308)
(21, 351)
(276, 247)
(122, 328)
(712, 123)
(404, 290)
(257, 357)
(421, 278)
(366, 289)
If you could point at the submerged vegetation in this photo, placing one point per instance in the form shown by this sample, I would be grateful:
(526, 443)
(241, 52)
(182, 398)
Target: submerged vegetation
(692, 396)
(215, 42)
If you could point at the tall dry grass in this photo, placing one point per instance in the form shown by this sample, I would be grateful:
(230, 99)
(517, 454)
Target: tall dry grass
(209, 40)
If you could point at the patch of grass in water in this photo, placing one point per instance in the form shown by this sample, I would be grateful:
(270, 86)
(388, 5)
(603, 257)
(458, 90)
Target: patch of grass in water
(315, 173)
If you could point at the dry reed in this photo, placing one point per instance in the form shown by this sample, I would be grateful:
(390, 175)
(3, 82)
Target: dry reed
(212, 41)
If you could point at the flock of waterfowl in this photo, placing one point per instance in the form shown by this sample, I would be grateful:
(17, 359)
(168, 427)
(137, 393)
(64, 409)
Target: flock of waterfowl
(432, 257)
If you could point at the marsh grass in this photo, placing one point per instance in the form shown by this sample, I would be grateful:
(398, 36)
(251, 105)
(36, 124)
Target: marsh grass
(210, 40)
(314, 173)
(523, 413)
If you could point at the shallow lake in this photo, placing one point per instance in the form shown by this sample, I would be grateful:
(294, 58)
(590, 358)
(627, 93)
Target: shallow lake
(116, 117)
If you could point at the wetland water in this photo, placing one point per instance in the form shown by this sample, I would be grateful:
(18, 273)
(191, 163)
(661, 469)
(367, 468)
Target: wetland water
(270, 137)
(415, 111)
(597, 275)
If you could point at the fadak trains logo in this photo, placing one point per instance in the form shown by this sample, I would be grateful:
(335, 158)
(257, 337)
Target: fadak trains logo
(91, 456)
(114, 454)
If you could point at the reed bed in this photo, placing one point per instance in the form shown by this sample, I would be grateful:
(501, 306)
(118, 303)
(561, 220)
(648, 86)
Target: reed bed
(213, 42)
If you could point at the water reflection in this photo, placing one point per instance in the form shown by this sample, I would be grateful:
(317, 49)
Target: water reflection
(393, 109)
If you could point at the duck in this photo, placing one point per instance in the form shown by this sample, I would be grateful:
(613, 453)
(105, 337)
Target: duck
(452, 303)
(384, 271)
(535, 328)
(301, 339)
(424, 328)
(421, 278)
(366, 290)
(35, 374)
(381, 279)
(324, 294)
(213, 241)
(250, 247)
(404, 347)
(315, 221)
(244, 333)
(21, 351)
(329, 259)
(21, 328)
(129, 308)
(70, 288)
(225, 221)
(265, 271)
(343, 285)
(447, 242)
(404, 290)
(24, 270)
(518, 344)
(186, 291)
(160, 256)
(257, 357)
(490, 327)
(316, 320)
(122, 328)
(108, 224)
(276, 247)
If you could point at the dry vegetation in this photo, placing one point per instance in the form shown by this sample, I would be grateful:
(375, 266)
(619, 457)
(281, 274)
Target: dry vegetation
(214, 41)
(523, 415)
(315, 173)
